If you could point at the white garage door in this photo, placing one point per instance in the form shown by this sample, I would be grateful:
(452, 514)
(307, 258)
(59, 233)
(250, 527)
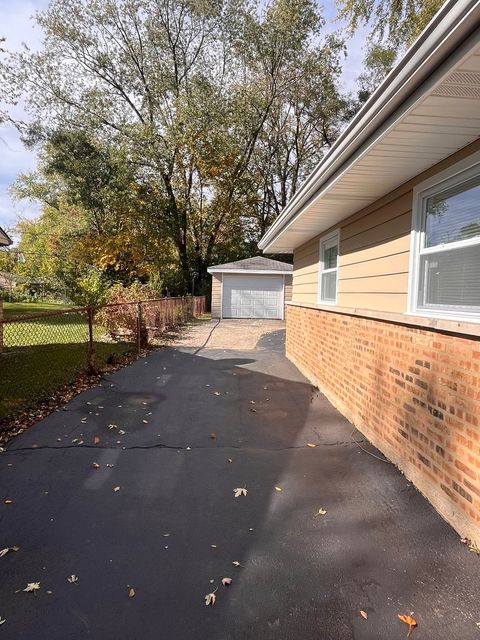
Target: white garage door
(252, 296)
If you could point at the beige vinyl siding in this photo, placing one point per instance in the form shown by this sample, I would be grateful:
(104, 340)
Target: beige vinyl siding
(374, 251)
(305, 272)
(288, 288)
(216, 295)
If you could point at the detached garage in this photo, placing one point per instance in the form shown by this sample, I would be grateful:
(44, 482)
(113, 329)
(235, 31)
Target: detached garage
(251, 288)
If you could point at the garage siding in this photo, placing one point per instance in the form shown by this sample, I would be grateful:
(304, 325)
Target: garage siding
(216, 295)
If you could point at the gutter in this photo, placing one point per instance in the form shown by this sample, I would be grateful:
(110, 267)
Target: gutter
(447, 30)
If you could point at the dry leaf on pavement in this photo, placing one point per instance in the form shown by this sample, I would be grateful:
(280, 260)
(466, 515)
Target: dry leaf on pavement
(240, 491)
(226, 581)
(364, 614)
(131, 592)
(72, 579)
(278, 488)
(96, 440)
(32, 586)
(210, 598)
(407, 619)
(311, 445)
(2, 620)
(8, 501)
(95, 465)
(116, 489)
(321, 512)
(236, 563)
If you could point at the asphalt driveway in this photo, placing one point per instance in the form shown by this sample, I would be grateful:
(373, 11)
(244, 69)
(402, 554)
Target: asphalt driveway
(175, 434)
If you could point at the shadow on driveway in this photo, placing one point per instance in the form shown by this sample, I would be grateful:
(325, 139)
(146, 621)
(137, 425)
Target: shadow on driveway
(196, 427)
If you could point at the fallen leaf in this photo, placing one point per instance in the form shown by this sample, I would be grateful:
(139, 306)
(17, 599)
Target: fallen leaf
(95, 465)
(236, 563)
(213, 436)
(110, 466)
(278, 488)
(364, 614)
(121, 432)
(311, 445)
(116, 489)
(229, 459)
(96, 440)
(253, 410)
(226, 581)
(240, 491)
(72, 579)
(321, 512)
(15, 548)
(112, 426)
(216, 393)
(8, 501)
(32, 586)
(252, 401)
(131, 592)
(145, 421)
(214, 546)
(210, 598)
(2, 620)
(412, 623)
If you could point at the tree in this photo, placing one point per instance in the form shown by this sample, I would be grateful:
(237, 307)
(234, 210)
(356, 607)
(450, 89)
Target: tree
(188, 93)
(379, 60)
(398, 22)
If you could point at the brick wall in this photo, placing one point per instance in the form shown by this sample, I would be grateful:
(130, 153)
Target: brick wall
(413, 392)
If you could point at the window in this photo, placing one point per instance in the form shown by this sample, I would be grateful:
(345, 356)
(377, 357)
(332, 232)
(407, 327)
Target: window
(329, 268)
(446, 247)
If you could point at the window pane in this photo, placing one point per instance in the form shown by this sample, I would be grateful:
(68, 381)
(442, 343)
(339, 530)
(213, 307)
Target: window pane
(453, 214)
(451, 278)
(330, 257)
(329, 286)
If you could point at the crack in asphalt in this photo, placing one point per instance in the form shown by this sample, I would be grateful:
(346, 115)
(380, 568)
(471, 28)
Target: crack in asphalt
(178, 447)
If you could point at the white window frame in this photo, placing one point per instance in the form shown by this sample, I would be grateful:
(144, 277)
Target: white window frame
(331, 239)
(454, 175)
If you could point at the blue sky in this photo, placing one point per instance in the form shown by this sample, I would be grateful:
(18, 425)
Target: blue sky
(17, 25)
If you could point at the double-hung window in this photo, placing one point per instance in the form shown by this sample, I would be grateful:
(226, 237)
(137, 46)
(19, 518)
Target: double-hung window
(446, 247)
(328, 272)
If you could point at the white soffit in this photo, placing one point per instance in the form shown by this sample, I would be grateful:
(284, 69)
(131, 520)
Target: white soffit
(438, 123)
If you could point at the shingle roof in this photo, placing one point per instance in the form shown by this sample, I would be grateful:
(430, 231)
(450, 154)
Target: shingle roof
(4, 239)
(257, 263)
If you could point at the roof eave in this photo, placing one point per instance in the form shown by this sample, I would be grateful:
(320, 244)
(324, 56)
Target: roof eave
(452, 25)
(251, 271)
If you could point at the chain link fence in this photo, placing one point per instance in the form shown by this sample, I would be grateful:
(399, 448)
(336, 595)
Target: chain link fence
(42, 352)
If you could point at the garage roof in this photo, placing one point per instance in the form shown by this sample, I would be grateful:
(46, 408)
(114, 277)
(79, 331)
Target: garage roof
(4, 239)
(426, 109)
(257, 264)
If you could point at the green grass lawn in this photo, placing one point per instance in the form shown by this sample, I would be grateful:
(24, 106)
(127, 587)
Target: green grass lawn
(41, 355)
(13, 309)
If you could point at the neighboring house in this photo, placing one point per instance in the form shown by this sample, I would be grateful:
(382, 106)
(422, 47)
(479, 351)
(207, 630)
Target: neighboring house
(9, 281)
(251, 288)
(385, 234)
(5, 241)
